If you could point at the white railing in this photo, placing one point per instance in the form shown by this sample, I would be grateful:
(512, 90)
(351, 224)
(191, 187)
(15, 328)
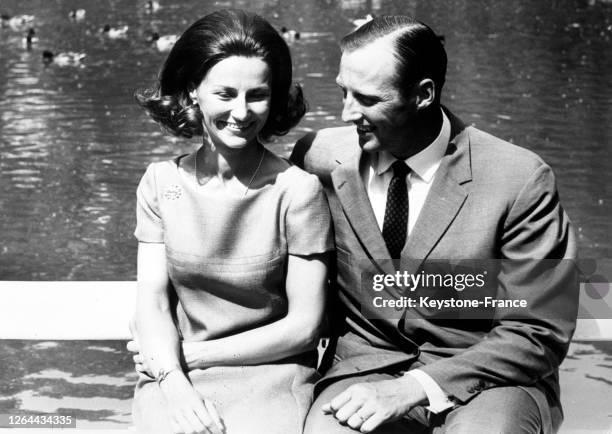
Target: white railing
(66, 310)
(102, 310)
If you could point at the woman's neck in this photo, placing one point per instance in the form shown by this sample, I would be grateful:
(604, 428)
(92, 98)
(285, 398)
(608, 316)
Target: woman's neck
(226, 164)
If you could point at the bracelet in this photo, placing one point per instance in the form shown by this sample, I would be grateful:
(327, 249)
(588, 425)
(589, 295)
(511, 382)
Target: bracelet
(163, 373)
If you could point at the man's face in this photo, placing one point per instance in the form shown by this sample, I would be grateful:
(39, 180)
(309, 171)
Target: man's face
(384, 119)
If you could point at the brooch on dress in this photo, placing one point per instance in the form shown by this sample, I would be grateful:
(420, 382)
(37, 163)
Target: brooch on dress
(172, 192)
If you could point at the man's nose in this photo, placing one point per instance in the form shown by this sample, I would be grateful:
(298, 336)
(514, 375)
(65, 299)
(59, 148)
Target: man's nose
(350, 110)
(240, 108)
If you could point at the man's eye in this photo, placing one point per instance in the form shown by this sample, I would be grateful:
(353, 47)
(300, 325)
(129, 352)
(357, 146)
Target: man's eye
(224, 95)
(366, 100)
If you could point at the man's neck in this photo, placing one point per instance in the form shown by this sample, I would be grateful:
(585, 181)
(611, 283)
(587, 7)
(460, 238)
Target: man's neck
(428, 128)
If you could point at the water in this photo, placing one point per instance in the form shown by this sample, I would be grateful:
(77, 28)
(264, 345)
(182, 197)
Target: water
(73, 145)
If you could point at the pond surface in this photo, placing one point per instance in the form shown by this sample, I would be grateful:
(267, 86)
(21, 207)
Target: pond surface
(73, 145)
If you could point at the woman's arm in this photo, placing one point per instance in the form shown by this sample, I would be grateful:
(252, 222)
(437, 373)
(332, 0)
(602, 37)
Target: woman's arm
(159, 345)
(293, 334)
(157, 334)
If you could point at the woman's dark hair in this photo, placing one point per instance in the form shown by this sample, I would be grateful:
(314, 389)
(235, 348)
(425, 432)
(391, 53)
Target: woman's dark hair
(209, 40)
(418, 50)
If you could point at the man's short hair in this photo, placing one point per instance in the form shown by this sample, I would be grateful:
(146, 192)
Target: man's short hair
(419, 51)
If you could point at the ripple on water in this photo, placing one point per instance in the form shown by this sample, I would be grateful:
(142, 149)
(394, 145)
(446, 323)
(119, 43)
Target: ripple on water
(74, 141)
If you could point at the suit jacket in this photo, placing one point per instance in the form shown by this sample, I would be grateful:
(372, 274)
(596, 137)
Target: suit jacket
(489, 200)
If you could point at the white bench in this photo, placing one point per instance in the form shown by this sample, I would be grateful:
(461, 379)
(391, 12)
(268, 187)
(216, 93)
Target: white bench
(102, 310)
(66, 311)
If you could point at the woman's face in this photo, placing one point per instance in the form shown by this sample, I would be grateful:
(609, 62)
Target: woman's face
(234, 98)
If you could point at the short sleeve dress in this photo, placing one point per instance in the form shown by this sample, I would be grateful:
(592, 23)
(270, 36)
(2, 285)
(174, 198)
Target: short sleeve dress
(227, 261)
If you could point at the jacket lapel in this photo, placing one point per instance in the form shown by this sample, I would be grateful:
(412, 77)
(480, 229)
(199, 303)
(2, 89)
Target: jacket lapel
(444, 200)
(351, 193)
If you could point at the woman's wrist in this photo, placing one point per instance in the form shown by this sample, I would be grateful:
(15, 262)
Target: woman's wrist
(175, 383)
(163, 373)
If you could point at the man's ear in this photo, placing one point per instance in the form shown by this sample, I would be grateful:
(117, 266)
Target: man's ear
(426, 93)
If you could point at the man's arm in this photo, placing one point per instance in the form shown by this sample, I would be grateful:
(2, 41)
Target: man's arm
(298, 154)
(522, 351)
(515, 351)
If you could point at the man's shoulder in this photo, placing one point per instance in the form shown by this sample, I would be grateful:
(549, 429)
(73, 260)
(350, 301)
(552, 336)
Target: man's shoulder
(489, 156)
(340, 136)
(493, 155)
(321, 149)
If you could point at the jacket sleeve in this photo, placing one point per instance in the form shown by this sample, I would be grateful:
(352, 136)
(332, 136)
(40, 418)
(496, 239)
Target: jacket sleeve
(538, 249)
(301, 148)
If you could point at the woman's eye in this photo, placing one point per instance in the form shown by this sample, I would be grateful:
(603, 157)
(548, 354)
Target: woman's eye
(224, 95)
(259, 96)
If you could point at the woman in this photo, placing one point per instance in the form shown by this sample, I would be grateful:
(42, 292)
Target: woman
(232, 242)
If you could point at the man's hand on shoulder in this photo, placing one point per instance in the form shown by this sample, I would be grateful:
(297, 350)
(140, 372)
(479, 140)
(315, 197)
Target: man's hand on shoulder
(366, 406)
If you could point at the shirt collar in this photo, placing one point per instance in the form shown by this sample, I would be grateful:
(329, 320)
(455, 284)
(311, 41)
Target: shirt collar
(425, 163)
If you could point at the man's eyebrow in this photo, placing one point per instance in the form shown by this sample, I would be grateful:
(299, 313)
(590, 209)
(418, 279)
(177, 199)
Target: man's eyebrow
(221, 87)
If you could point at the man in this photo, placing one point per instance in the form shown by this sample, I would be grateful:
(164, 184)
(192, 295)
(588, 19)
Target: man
(409, 182)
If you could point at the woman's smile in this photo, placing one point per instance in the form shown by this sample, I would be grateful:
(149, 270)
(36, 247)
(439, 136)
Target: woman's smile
(238, 127)
(234, 98)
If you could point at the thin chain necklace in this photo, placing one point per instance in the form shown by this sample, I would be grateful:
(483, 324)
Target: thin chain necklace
(255, 172)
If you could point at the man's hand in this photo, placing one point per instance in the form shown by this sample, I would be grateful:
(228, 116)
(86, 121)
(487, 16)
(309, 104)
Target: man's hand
(189, 351)
(140, 364)
(366, 406)
(192, 354)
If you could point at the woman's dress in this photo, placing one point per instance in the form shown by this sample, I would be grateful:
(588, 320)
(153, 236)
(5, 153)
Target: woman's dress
(227, 261)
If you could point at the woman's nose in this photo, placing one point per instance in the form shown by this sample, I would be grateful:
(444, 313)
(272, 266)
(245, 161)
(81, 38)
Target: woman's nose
(240, 109)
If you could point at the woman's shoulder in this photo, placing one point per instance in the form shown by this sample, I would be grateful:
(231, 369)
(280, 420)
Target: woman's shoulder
(164, 169)
(293, 178)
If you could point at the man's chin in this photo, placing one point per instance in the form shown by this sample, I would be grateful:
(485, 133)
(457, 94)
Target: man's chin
(368, 144)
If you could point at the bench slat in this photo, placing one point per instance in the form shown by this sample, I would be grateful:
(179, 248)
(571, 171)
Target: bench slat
(102, 310)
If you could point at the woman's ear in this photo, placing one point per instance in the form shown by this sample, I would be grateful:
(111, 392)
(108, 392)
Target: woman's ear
(194, 96)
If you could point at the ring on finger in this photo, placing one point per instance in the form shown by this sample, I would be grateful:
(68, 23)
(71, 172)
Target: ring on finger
(360, 419)
(361, 416)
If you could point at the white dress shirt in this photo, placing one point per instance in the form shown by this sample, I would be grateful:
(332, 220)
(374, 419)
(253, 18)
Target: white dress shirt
(376, 176)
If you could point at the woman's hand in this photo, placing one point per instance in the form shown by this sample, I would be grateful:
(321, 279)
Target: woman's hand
(189, 412)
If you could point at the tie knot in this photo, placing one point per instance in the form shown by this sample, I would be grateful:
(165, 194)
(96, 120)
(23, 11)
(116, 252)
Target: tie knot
(400, 169)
